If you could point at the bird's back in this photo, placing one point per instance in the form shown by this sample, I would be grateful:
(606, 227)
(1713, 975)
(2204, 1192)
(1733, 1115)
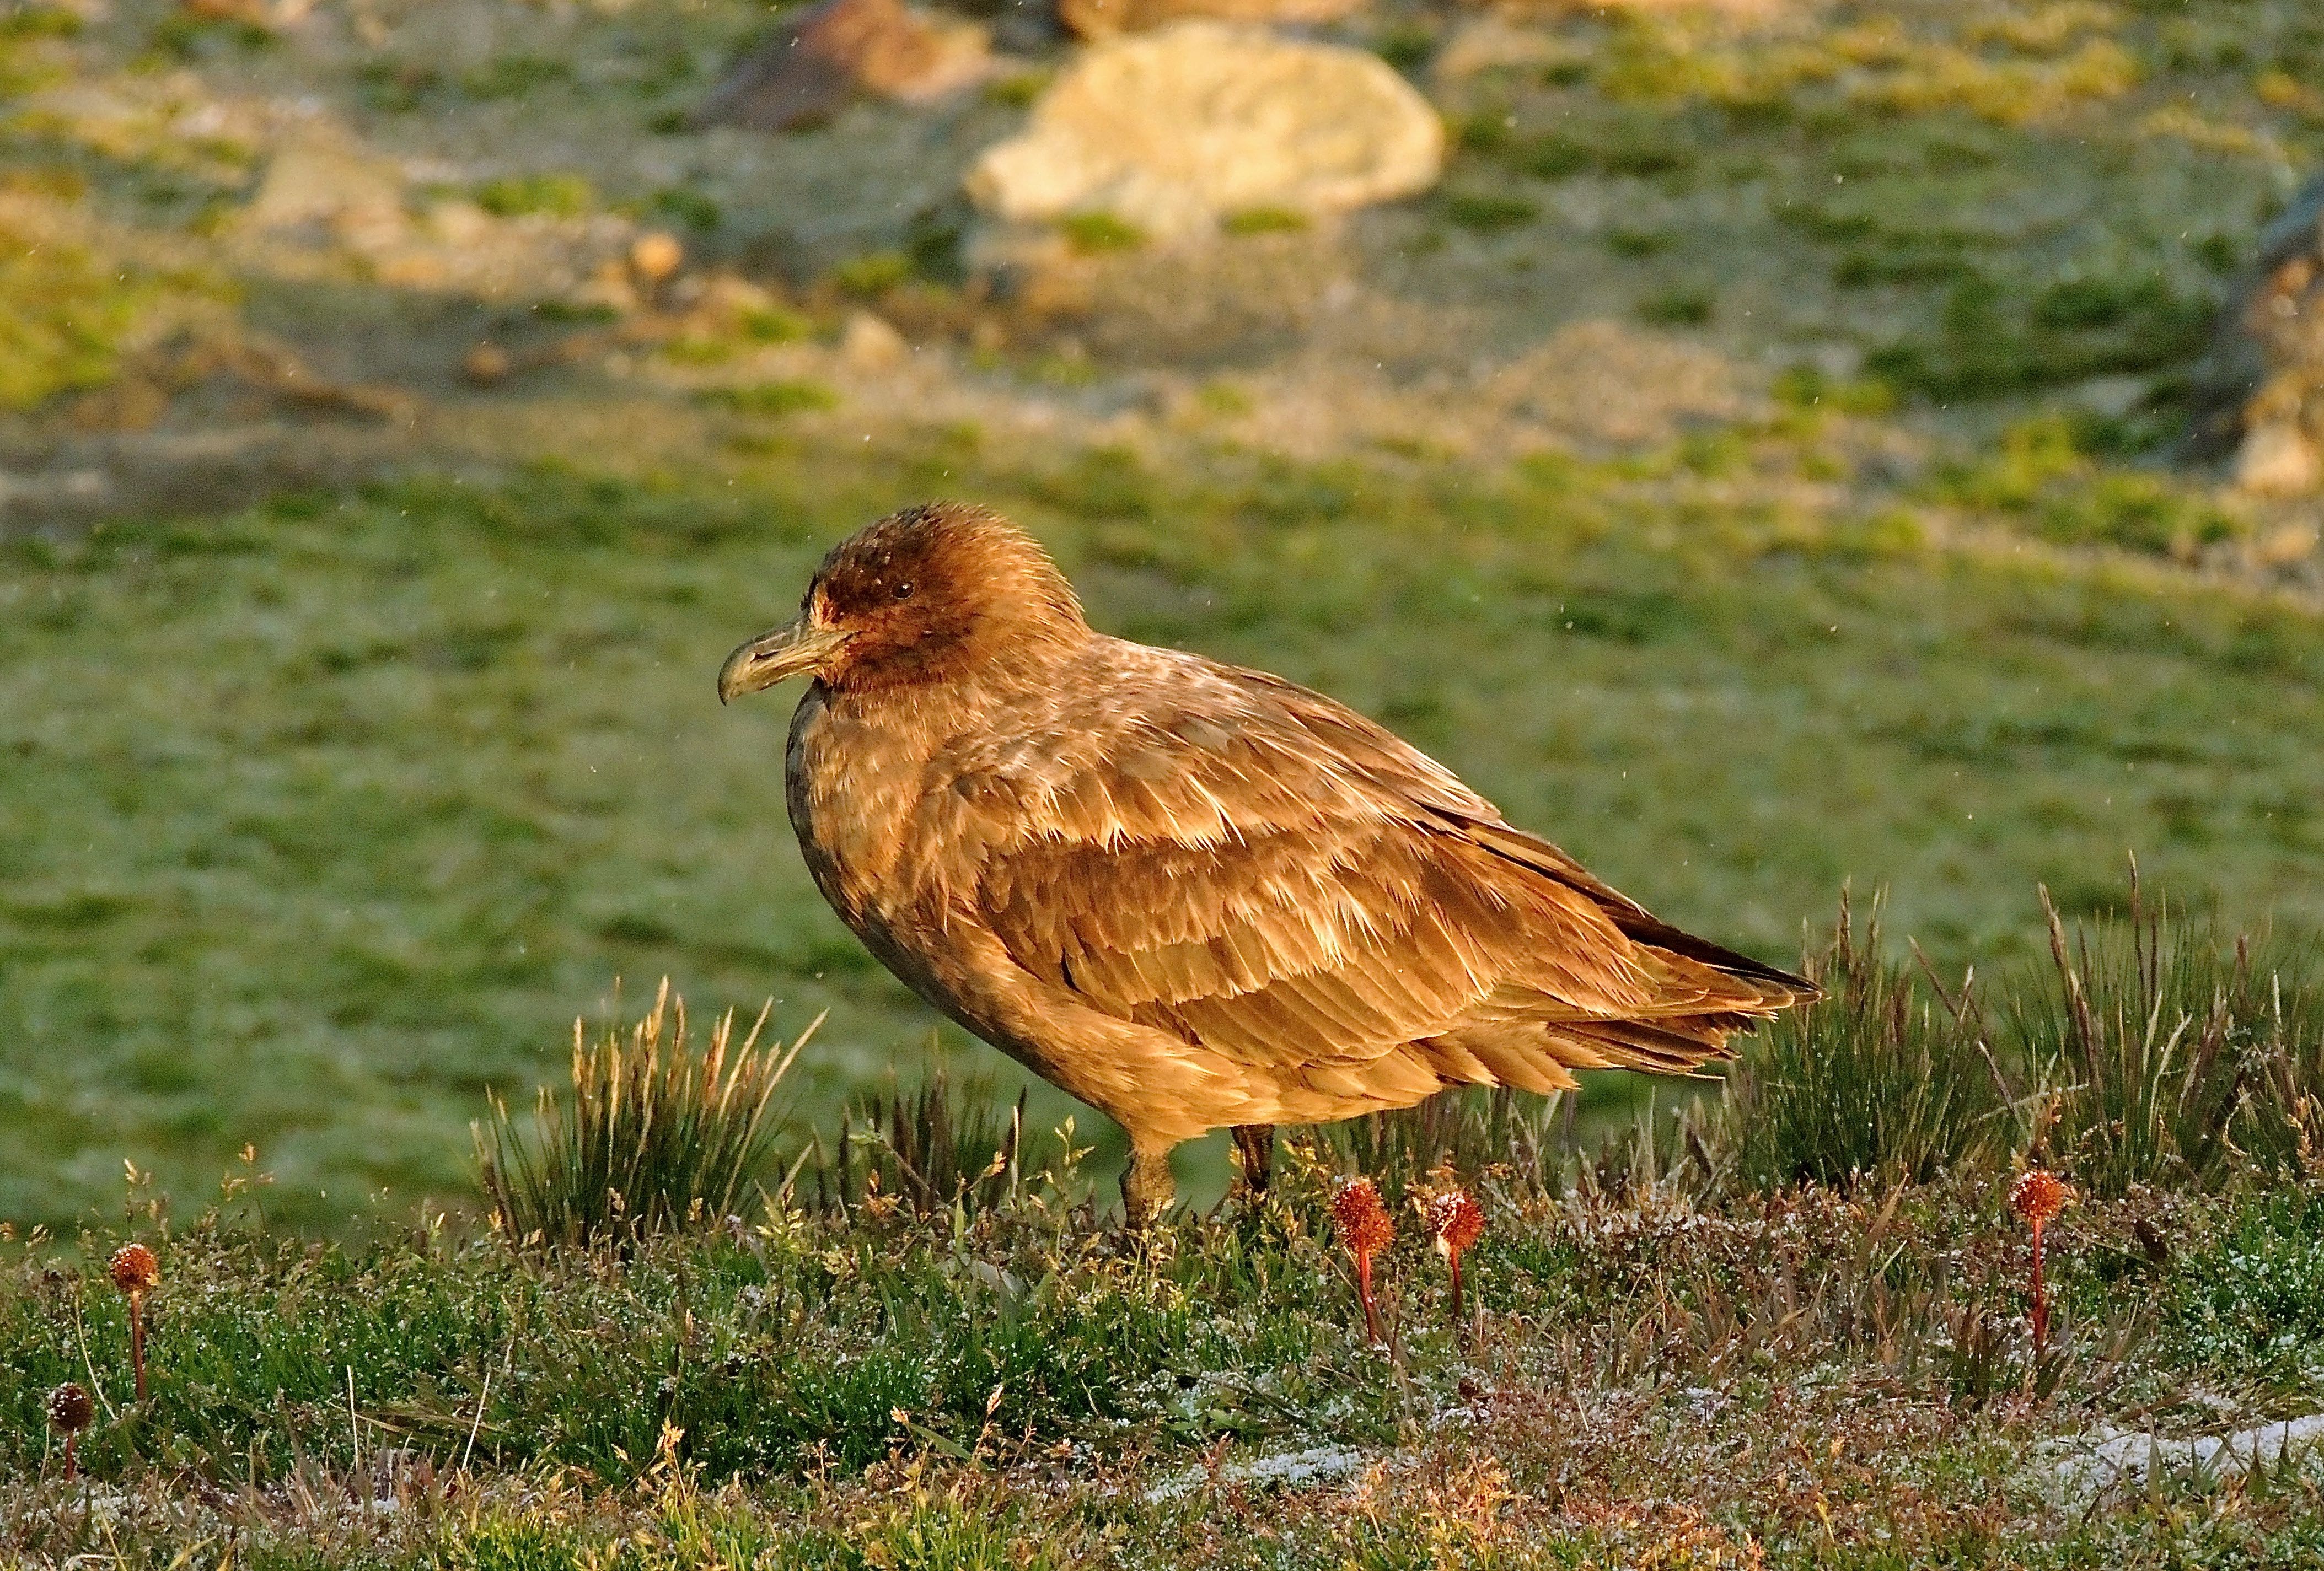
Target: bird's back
(1219, 872)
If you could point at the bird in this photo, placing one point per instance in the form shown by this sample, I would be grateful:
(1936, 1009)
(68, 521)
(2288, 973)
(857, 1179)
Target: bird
(1192, 894)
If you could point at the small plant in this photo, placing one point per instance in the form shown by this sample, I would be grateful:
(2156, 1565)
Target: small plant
(2037, 1196)
(945, 1144)
(70, 1412)
(1366, 1228)
(1457, 1221)
(134, 1271)
(1466, 1130)
(652, 1140)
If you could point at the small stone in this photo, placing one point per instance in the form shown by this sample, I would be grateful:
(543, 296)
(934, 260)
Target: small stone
(654, 256)
(486, 364)
(1490, 43)
(2277, 460)
(1104, 18)
(1168, 130)
(318, 179)
(868, 343)
(271, 15)
(2284, 546)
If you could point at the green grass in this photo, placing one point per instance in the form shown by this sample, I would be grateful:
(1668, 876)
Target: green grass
(324, 817)
(1005, 1391)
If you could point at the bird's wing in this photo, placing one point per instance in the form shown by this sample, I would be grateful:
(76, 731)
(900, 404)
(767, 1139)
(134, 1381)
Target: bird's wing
(1256, 868)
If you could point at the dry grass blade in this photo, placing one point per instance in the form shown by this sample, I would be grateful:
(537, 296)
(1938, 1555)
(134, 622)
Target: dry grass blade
(1884, 1076)
(2171, 1054)
(651, 1138)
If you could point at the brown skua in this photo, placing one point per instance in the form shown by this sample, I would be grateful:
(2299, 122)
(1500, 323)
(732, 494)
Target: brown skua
(1191, 895)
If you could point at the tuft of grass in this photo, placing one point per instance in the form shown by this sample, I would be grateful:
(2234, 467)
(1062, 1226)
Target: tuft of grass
(944, 1146)
(1519, 1137)
(2172, 1056)
(653, 1138)
(1885, 1077)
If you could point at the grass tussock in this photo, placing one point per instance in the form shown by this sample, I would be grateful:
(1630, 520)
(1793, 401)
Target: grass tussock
(2171, 1055)
(653, 1136)
(2144, 1050)
(1886, 1076)
(944, 1146)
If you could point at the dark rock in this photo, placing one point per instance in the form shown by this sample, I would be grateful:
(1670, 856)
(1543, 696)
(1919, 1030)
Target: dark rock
(811, 67)
(2258, 396)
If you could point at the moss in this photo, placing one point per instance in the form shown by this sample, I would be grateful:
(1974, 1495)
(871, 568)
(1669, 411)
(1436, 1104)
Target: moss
(557, 195)
(1686, 306)
(774, 398)
(873, 272)
(1096, 233)
(63, 317)
(1488, 211)
(1249, 221)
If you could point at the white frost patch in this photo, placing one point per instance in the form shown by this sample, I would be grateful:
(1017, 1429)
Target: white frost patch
(2099, 1460)
(1275, 1470)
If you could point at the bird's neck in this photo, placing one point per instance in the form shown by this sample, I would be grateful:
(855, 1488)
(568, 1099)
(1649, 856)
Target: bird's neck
(952, 690)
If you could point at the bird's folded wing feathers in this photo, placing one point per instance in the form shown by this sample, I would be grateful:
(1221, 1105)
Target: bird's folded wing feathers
(1251, 866)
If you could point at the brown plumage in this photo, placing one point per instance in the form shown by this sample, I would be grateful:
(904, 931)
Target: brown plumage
(1191, 895)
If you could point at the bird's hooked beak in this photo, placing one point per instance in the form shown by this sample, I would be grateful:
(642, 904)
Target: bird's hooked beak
(765, 660)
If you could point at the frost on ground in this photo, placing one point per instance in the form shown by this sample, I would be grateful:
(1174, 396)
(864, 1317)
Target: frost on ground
(1300, 1469)
(2092, 1463)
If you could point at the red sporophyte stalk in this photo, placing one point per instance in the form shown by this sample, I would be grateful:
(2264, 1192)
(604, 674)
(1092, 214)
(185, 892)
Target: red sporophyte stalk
(1367, 1228)
(71, 1410)
(134, 1271)
(2037, 1196)
(1458, 1221)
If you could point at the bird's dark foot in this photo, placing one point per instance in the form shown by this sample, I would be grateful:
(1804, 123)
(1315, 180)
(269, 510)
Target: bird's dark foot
(1255, 1146)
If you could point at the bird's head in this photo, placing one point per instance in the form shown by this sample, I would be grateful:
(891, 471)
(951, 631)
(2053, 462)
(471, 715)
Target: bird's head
(929, 593)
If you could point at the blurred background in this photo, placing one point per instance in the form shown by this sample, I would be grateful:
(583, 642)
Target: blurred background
(1766, 445)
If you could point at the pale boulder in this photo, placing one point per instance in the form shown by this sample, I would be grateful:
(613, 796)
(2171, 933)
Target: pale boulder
(1172, 130)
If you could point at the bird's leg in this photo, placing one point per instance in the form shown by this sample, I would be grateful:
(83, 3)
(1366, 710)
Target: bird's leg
(1146, 1188)
(1255, 1144)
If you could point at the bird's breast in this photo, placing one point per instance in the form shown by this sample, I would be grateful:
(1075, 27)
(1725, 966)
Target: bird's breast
(852, 782)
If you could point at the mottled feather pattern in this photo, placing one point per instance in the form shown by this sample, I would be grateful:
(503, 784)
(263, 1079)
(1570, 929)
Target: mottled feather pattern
(1280, 881)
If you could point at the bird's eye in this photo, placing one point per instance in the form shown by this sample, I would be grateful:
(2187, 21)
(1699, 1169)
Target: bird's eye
(902, 591)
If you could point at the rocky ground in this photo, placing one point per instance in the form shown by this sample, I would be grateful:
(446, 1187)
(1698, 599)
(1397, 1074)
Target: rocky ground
(266, 247)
